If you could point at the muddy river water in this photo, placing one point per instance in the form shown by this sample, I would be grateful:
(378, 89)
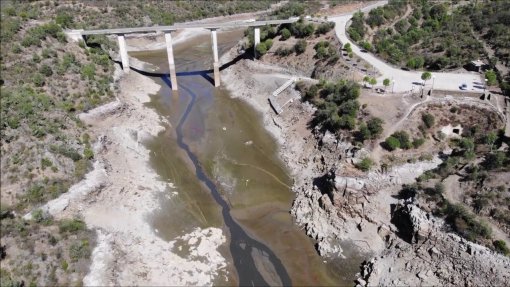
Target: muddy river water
(227, 174)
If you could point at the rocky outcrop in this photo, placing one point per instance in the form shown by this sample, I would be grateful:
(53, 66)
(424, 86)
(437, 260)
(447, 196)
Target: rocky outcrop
(430, 256)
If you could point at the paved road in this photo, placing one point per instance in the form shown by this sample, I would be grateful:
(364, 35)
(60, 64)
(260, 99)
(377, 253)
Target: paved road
(404, 79)
(233, 24)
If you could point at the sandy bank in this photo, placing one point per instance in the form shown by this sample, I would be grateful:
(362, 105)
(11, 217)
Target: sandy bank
(122, 191)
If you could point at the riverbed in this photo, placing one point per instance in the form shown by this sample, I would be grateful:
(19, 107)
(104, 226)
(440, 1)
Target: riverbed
(227, 174)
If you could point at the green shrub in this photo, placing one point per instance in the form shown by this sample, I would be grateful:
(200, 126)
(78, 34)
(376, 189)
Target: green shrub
(88, 153)
(391, 143)
(79, 250)
(300, 46)
(428, 120)
(88, 71)
(375, 126)
(285, 34)
(501, 247)
(323, 28)
(365, 164)
(64, 19)
(418, 142)
(71, 225)
(403, 139)
(465, 224)
(495, 160)
(261, 48)
(16, 49)
(46, 70)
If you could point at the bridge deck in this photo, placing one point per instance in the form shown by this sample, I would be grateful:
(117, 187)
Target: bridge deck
(217, 26)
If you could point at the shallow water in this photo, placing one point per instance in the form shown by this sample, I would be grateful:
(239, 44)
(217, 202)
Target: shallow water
(227, 174)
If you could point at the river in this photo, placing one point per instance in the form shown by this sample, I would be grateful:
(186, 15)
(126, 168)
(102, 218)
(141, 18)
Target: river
(227, 174)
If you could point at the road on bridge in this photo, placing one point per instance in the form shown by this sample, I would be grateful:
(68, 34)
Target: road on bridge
(404, 79)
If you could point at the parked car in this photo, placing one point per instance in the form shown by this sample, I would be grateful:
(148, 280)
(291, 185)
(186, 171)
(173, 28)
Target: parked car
(463, 86)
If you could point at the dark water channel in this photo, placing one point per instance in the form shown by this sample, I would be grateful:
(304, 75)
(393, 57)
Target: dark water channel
(227, 174)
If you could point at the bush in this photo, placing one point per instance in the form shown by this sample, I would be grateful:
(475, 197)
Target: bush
(261, 48)
(403, 139)
(79, 250)
(428, 119)
(391, 143)
(88, 71)
(71, 225)
(285, 34)
(465, 224)
(495, 160)
(323, 28)
(501, 247)
(38, 80)
(375, 126)
(300, 46)
(63, 19)
(46, 70)
(88, 153)
(365, 164)
(418, 142)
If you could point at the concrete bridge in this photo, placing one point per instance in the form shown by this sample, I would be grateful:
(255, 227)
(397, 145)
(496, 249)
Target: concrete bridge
(213, 27)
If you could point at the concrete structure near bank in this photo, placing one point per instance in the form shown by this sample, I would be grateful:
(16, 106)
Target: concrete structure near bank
(121, 33)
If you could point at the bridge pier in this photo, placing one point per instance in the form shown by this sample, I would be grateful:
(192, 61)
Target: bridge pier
(171, 62)
(216, 64)
(256, 41)
(123, 52)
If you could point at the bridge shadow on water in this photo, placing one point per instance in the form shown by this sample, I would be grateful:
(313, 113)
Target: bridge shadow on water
(204, 73)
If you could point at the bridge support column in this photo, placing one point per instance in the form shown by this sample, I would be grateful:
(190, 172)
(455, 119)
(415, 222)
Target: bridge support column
(171, 62)
(123, 53)
(216, 61)
(256, 41)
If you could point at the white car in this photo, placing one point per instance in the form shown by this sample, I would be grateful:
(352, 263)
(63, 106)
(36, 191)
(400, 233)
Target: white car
(463, 86)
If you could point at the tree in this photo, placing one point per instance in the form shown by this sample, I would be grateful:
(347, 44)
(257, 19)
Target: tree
(426, 76)
(391, 143)
(366, 79)
(386, 83)
(491, 77)
(373, 82)
(300, 46)
(285, 34)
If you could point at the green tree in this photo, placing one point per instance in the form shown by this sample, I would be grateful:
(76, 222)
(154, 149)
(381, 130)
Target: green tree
(491, 77)
(426, 76)
(386, 83)
(373, 82)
